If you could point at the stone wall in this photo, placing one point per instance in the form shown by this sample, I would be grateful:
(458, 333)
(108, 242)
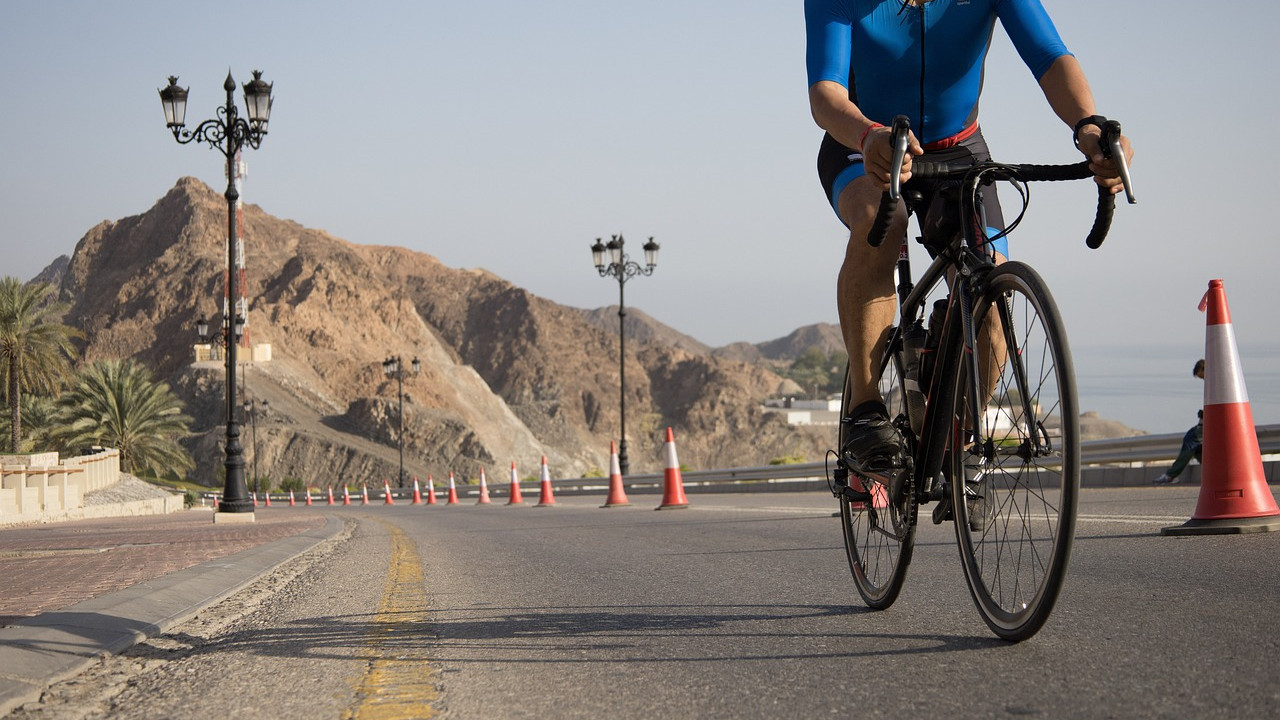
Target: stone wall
(37, 486)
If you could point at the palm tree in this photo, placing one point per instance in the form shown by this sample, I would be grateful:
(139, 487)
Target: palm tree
(117, 403)
(39, 417)
(35, 349)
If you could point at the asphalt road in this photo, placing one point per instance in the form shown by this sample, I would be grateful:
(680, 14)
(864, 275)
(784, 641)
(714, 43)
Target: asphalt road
(739, 607)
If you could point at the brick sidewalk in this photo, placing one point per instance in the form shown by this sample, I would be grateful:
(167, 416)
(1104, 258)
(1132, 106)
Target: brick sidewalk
(48, 567)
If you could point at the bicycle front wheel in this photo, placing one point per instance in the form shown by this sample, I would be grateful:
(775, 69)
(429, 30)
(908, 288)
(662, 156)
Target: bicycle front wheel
(1013, 459)
(878, 535)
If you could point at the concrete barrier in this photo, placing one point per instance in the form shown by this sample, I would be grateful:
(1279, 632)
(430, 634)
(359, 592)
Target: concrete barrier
(38, 487)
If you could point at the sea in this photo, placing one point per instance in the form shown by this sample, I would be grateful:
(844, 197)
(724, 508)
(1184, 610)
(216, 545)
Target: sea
(1152, 389)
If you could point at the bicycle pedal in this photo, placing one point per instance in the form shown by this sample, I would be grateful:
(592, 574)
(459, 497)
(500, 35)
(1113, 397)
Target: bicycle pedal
(882, 468)
(848, 494)
(942, 511)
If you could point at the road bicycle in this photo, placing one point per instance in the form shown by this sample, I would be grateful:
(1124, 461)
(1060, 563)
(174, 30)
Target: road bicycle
(984, 397)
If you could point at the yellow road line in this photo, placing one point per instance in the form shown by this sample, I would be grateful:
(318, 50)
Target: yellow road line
(398, 684)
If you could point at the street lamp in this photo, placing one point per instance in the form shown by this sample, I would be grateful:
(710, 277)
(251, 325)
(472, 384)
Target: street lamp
(619, 266)
(251, 409)
(394, 367)
(227, 134)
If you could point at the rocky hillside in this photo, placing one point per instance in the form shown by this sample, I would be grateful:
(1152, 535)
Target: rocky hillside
(641, 327)
(506, 375)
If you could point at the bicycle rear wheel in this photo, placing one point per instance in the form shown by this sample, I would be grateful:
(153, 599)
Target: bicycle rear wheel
(878, 536)
(1018, 449)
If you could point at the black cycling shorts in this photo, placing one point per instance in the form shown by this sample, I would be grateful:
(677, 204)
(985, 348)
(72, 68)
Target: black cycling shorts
(839, 165)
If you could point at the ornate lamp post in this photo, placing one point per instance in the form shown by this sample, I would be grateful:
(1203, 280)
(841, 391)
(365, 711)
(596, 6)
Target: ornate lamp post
(227, 134)
(622, 268)
(394, 367)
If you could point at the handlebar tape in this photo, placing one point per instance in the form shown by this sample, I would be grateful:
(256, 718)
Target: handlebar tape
(1078, 171)
(884, 216)
(1102, 221)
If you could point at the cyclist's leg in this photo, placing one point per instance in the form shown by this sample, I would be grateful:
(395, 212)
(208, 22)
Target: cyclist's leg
(865, 301)
(867, 305)
(865, 295)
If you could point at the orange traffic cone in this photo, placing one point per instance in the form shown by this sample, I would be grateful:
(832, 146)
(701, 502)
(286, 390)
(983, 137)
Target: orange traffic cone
(308, 495)
(484, 490)
(386, 493)
(548, 495)
(617, 493)
(364, 494)
(516, 498)
(1234, 497)
(255, 499)
(346, 496)
(291, 503)
(673, 491)
(417, 494)
(431, 491)
(453, 491)
(330, 494)
(267, 498)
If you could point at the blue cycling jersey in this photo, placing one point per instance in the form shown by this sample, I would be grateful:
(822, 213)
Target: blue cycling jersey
(923, 61)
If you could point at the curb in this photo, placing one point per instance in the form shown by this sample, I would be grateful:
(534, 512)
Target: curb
(39, 651)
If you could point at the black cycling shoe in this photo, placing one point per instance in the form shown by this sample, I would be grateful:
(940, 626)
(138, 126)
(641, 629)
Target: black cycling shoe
(871, 441)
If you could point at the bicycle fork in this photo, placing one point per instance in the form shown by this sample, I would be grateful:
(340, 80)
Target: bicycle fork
(1001, 360)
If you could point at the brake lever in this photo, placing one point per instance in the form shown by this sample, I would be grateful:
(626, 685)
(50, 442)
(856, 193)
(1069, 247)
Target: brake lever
(1111, 148)
(901, 127)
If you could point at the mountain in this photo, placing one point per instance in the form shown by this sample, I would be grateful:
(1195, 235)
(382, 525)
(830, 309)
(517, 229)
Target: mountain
(54, 272)
(782, 351)
(641, 327)
(823, 336)
(506, 375)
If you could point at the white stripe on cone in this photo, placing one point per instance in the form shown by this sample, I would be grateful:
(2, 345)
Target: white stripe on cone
(1223, 375)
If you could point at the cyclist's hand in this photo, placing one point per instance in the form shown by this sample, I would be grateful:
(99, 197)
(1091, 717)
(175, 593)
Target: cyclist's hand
(877, 155)
(1105, 171)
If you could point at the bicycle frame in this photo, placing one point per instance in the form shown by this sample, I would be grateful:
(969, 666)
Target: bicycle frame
(966, 260)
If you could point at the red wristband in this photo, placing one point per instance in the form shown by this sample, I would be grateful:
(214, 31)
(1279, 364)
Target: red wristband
(862, 140)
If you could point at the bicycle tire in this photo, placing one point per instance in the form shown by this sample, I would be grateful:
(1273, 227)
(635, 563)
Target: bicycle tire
(878, 541)
(1015, 513)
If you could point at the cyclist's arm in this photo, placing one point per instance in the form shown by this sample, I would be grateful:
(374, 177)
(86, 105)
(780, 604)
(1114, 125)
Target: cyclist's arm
(1068, 93)
(828, 29)
(834, 112)
(828, 49)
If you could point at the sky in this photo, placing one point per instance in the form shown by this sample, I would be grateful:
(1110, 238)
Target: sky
(509, 136)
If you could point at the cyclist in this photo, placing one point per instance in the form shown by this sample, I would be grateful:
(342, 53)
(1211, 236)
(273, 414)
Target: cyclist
(869, 60)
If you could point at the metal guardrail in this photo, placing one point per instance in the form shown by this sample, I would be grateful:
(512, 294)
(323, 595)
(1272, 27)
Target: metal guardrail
(1113, 451)
(1149, 448)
